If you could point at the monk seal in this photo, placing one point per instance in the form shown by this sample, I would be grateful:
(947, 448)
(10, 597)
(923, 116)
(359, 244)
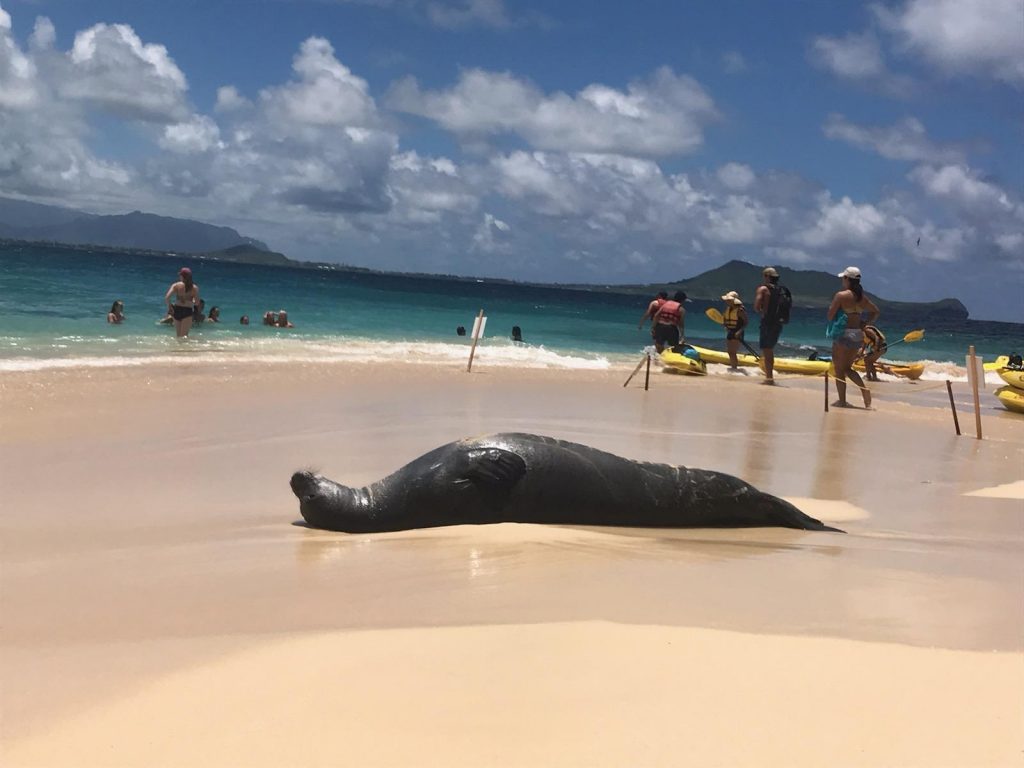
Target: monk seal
(521, 478)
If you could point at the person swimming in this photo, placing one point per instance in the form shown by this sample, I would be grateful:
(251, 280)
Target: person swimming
(116, 313)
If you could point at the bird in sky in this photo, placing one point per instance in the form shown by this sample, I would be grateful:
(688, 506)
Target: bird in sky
(919, 242)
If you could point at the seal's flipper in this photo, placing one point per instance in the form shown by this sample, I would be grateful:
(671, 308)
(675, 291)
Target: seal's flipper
(493, 472)
(495, 466)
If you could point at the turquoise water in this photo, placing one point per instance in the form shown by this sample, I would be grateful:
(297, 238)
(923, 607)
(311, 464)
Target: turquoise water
(54, 304)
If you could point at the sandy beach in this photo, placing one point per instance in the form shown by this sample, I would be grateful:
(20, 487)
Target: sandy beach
(160, 607)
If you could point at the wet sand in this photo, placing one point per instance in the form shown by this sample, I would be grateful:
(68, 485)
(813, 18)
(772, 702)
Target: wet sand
(160, 608)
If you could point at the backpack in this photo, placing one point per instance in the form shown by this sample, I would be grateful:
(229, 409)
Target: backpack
(779, 305)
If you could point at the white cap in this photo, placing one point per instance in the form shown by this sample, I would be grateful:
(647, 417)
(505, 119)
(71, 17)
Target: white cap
(851, 272)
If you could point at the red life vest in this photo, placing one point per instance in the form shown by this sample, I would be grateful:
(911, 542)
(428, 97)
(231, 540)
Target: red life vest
(670, 313)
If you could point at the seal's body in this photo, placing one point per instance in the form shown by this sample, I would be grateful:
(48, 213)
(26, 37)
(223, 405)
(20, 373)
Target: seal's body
(521, 478)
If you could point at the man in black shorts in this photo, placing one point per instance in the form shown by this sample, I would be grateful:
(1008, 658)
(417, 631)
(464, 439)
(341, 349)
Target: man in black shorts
(765, 303)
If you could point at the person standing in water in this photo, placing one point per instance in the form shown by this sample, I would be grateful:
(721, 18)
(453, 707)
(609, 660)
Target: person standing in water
(653, 307)
(186, 296)
(668, 322)
(116, 313)
(734, 318)
(766, 303)
(848, 313)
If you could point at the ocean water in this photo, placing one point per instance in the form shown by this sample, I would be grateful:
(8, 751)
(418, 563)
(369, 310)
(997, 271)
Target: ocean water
(54, 304)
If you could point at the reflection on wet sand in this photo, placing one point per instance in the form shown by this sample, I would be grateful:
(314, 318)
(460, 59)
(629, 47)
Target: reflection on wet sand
(832, 461)
(671, 578)
(757, 461)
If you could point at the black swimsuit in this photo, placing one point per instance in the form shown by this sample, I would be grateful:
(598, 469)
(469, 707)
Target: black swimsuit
(180, 313)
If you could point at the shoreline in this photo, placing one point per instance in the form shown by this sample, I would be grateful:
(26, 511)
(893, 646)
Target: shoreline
(153, 574)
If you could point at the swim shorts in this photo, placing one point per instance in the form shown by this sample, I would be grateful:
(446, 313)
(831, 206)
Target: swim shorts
(770, 335)
(665, 334)
(734, 333)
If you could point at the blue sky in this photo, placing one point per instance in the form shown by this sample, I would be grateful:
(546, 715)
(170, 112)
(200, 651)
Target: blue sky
(597, 142)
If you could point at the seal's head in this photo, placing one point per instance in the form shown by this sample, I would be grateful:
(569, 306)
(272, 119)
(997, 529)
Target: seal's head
(326, 504)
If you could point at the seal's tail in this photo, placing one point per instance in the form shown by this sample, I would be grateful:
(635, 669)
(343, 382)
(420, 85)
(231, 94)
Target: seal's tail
(794, 518)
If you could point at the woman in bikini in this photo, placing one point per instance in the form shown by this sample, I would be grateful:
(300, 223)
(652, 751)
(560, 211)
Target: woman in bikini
(849, 312)
(116, 313)
(186, 294)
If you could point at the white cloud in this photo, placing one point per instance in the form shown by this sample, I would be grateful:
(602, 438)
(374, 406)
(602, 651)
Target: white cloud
(906, 140)
(842, 223)
(789, 256)
(326, 92)
(43, 35)
(466, 13)
(854, 56)
(199, 134)
(490, 236)
(663, 115)
(17, 71)
(858, 58)
(738, 219)
(957, 37)
(110, 68)
(960, 185)
(230, 100)
(736, 176)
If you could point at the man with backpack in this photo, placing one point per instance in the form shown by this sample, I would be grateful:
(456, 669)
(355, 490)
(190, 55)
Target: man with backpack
(773, 302)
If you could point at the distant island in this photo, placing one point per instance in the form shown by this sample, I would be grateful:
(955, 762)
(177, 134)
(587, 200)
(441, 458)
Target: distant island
(26, 225)
(33, 222)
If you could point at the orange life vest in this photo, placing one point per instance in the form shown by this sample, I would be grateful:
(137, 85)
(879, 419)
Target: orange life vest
(670, 313)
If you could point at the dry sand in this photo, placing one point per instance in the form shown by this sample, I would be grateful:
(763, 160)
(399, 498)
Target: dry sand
(159, 608)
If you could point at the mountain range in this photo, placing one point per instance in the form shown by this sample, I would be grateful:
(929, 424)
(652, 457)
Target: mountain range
(811, 288)
(22, 220)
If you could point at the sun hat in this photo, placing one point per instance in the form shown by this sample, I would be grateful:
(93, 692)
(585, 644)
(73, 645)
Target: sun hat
(733, 298)
(851, 272)
(770, 272)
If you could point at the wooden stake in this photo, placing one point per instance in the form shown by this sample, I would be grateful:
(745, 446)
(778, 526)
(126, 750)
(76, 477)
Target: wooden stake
(826, 391)
(476, 337)
(647, 376)
(637, 369)
(952, 405)
(974, 389)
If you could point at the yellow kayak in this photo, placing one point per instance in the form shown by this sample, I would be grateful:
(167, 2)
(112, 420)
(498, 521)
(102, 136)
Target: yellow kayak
(911, 371)
(1012, 398)
(1000, 362)
(676, 362)
(1012, 377)
(782, 364)
(722, 358)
